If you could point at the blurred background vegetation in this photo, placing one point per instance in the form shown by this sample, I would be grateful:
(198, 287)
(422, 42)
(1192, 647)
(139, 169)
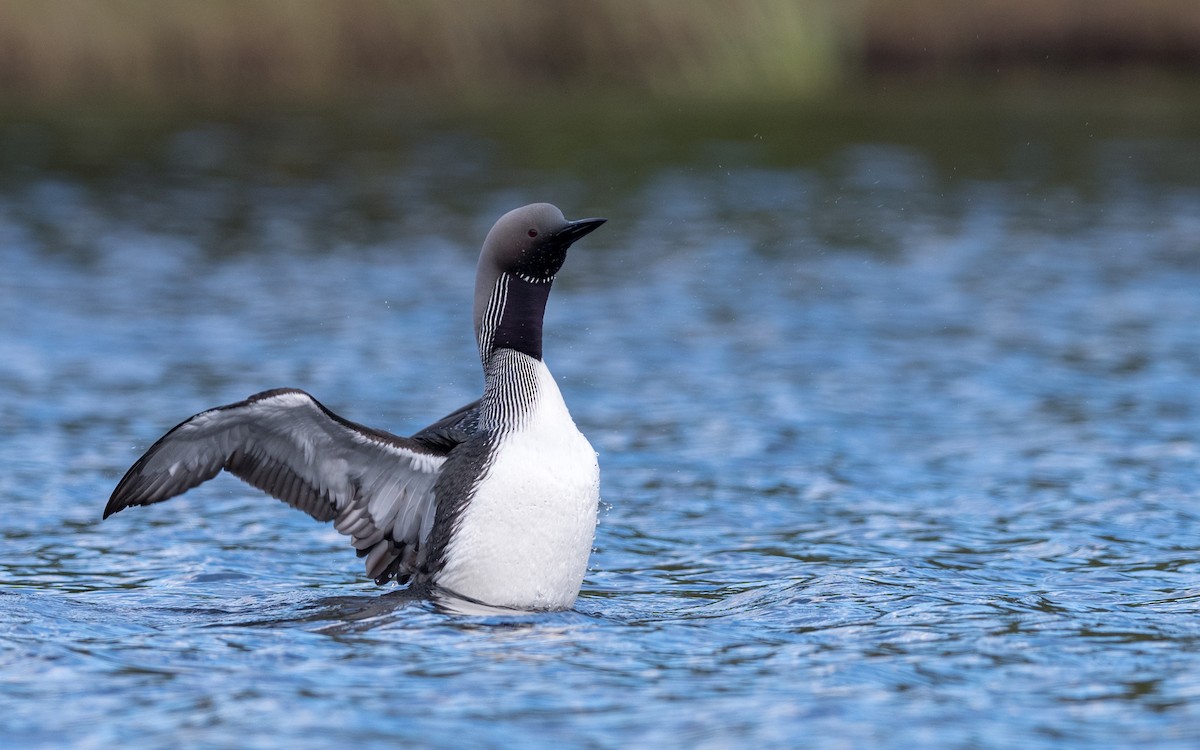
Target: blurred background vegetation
(244, 55)
(94, 77)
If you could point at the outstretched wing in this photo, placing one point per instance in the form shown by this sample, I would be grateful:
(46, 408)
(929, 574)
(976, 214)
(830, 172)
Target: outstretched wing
(376, 487)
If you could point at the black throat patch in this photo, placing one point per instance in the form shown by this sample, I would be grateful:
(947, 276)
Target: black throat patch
(520, 325)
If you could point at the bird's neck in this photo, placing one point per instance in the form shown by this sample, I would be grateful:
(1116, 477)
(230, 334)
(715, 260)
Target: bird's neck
(510, 389)
(510, 316)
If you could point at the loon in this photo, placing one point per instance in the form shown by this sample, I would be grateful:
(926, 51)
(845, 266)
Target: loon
(494, 504)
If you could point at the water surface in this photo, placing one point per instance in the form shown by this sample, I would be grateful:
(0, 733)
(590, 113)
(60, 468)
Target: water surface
(892, 455)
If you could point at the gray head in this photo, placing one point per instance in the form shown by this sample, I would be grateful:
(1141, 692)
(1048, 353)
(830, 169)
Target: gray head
(520, 258)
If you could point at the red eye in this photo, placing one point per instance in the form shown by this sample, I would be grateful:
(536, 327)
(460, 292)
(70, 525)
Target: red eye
(533, 233)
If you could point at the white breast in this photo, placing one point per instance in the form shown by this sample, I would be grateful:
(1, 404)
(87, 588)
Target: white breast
(524, 538)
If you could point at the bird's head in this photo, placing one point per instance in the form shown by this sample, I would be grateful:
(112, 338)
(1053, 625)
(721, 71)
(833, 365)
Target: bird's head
(531, 242)
(521, 255)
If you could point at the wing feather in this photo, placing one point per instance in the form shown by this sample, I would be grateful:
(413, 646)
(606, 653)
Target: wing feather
(375, 486)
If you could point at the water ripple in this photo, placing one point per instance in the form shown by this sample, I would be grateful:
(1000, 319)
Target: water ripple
(889, 460)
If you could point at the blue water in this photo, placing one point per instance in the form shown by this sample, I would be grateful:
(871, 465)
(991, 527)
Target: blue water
(891, 457)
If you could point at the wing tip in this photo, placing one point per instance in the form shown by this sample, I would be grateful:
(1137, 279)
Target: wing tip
(114, 506)
(119, 500)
